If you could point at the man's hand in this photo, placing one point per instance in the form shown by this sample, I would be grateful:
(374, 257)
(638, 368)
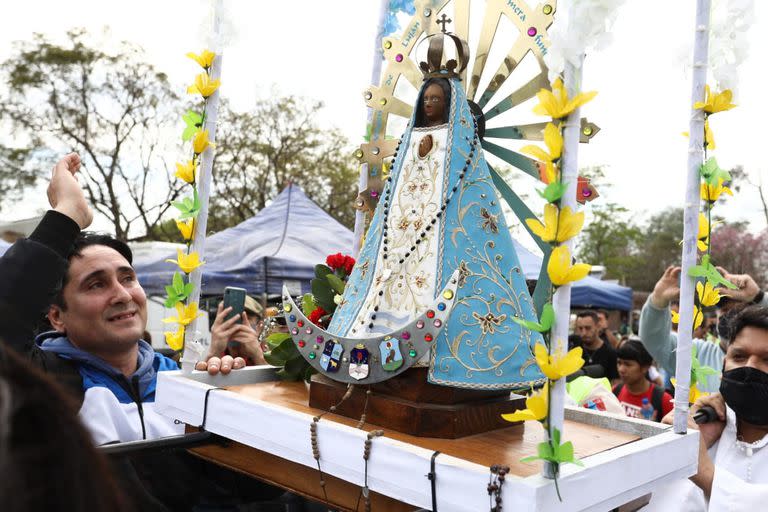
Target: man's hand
(667, 288)
(747, 288)
(222, 330)
(64, 193)
(224, 364)
(710, 432)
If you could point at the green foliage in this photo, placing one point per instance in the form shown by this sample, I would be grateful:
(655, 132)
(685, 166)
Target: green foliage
(307, 304)
(712, 173)
(193, 121)
(189, 207)
(109, 106)
(284, 354)
(178, 291)
(698, 372)
(612, 239)
(544, 324)
(323, 294)
(552, 192)
(554, 452)
(336, 283)
(708, 271)
(277, 142)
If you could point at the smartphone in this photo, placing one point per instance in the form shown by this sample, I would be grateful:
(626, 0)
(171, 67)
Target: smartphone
(235, 298)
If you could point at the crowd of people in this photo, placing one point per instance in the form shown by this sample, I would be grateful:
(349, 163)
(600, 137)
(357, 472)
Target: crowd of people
(89, 380)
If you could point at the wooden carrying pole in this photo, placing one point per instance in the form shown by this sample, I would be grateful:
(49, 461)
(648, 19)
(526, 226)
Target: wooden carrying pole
(193, 349)
(562, 299)
(691, 218)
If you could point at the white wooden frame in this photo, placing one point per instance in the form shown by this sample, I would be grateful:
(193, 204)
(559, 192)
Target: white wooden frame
(398, 469)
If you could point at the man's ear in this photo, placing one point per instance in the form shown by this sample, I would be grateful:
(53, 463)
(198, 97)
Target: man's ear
(56, 318)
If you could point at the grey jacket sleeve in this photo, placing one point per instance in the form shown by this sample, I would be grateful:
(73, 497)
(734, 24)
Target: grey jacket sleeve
(657, 336)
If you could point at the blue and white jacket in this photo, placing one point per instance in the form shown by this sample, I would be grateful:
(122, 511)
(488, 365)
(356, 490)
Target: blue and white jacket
(117, 408)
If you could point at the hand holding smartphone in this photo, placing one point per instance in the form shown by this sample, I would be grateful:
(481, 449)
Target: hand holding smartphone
(234, 298)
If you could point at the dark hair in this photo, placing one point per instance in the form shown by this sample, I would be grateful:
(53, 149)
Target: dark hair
(446, 87)
(634, 350)
(585, 314)
(750, 316)
(46, 455)
(603, 312)
(83, 240)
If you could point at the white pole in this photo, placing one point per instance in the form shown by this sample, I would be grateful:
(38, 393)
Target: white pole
(375, 78)
(193, 350)
(562, 299)
(691, 217)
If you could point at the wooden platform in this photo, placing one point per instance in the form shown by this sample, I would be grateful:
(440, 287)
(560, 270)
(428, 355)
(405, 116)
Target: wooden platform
(267, 423)
(504, 446)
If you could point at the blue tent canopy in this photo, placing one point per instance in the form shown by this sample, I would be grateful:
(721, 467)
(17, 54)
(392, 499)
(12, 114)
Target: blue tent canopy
(283, 242)
(588, 292)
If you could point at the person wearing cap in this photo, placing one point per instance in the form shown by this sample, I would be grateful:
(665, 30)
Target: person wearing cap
(656, 322)
(238, 336)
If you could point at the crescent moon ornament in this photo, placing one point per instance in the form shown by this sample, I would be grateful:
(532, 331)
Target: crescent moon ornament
(369, 360)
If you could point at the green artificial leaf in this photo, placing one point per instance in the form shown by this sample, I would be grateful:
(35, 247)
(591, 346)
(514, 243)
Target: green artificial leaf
(193, 121)
(336, 283)
(307, 304)
(710, 273)
(322, 270)
(553, 192)
(285, 350)
(189, 207)
(554, 452)
(713, 173)
(545, 324)
(178, 291)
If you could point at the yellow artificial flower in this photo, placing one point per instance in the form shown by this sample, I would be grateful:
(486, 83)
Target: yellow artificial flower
(200, 141)
(205, 59)
(553, 139)
(186, 171)
(718, 102)
(556, 104)
(708, 296)
(558, 365)
(560, 269)
(186, 228)
(712, 193)
(185, 314)
(535, 407)
(175, 340)
(203, 85)
(698, 317)
(187, 262)
(694, 392)
(556, 227)
(709, 137)
(703, 235)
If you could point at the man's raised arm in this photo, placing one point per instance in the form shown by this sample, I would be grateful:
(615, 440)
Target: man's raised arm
(32, 269)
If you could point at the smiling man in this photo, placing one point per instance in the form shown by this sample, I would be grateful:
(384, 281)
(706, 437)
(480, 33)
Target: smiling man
(84, 283)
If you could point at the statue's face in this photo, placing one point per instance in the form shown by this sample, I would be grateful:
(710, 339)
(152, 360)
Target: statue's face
(434, 105)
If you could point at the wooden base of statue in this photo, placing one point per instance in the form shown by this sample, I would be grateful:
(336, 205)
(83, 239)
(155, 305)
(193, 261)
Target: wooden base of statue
(408, 403)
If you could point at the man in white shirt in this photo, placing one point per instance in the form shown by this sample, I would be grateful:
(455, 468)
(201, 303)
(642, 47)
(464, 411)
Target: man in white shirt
(733, 461)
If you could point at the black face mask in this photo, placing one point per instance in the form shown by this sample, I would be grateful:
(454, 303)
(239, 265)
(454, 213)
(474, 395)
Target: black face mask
(745, 390)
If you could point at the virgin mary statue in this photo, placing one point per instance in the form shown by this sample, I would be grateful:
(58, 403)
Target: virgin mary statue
(439, 212)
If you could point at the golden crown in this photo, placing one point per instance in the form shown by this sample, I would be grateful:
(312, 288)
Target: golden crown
(451, 68)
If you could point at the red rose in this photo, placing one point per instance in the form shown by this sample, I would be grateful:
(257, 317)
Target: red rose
(316, 315)
(349, 262)
(335, 261)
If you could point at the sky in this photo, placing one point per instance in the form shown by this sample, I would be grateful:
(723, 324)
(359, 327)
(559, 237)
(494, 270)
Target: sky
(323, 50)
